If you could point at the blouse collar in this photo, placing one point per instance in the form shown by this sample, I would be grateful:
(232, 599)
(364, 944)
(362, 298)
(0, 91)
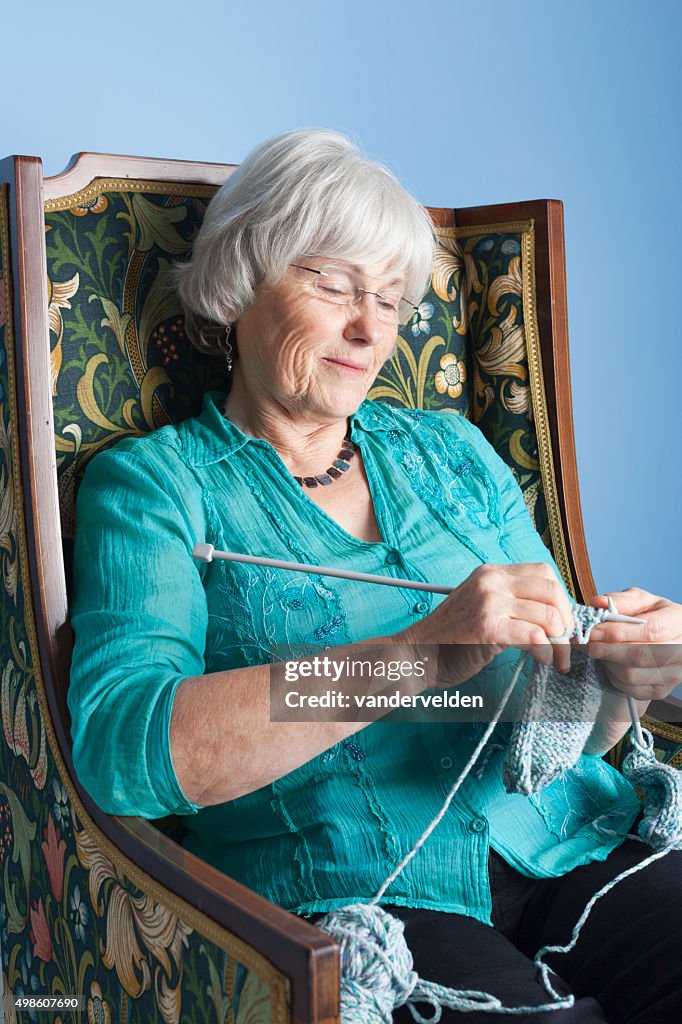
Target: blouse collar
(210, 437)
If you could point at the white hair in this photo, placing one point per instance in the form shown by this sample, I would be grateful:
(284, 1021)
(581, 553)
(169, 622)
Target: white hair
(307, 192)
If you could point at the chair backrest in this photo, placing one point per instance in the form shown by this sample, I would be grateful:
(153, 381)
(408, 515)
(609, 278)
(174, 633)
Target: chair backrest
(105, 908)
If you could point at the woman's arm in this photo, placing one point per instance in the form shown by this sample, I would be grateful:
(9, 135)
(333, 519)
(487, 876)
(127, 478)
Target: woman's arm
(225, 745)
(223, 741)
(152, 733)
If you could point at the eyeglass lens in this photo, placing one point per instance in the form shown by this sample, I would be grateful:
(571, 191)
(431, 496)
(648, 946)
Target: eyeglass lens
(338, 285)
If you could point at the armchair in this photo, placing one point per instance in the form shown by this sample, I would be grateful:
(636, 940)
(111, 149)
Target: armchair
(112, 908)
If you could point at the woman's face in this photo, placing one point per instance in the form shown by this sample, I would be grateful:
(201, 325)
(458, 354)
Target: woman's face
(311, 357)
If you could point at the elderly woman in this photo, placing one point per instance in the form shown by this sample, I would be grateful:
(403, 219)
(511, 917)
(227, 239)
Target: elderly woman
(308, 258)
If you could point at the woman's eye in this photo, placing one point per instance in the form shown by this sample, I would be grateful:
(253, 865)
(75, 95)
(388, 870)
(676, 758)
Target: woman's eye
(334, 287)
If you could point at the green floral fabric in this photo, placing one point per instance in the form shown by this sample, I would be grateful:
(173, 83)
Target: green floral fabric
(121, 364)
(72, 922)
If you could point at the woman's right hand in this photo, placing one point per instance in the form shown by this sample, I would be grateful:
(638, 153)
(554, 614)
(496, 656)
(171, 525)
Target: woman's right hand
(496, 607)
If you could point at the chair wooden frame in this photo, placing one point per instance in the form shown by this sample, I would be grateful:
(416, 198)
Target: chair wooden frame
(307, 956)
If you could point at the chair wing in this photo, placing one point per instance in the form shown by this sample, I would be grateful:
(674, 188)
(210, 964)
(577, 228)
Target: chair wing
(92, 349)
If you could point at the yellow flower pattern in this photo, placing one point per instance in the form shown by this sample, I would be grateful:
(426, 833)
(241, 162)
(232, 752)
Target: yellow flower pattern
(451, 376)
(96, 205)
(98, 1009)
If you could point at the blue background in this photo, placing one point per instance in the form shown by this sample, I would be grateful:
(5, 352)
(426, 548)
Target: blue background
(469, 103)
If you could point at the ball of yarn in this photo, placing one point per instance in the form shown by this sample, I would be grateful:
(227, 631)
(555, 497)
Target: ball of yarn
(377, 973)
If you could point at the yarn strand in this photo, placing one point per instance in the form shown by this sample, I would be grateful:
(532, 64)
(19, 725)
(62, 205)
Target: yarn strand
(449, 798)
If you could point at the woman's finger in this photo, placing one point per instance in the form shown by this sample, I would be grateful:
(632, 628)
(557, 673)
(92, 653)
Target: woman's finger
(644, 656)
(530, 638)
(654, 684)
(546, 591)
(632, 601)
(661, 625)
(547, 616)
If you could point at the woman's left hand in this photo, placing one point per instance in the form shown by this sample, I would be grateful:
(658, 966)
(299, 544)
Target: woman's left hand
(644, 661)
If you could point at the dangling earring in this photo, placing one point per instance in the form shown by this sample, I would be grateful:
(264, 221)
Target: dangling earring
(227, 345)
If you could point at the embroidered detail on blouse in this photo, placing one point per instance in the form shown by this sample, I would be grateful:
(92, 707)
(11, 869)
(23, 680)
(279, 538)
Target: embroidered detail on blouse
(454, 459)
(468, 464)
(432, 492)
(350, 746)
(271, 614)
(355, 751)
(330, 629)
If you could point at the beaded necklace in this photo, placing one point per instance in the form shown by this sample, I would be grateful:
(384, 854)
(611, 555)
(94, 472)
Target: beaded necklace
(340, 465)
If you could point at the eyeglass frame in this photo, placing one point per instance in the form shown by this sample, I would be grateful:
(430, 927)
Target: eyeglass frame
(359, 292)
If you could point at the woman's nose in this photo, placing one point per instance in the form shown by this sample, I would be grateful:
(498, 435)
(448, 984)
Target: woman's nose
(363, 322)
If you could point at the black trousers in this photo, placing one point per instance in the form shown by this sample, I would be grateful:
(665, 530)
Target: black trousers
(625, 969)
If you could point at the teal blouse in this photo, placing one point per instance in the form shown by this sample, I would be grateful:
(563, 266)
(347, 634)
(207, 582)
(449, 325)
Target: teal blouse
(147, 615)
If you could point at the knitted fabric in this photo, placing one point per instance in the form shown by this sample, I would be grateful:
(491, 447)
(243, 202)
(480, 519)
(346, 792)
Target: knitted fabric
(661, 824)
(557, 716)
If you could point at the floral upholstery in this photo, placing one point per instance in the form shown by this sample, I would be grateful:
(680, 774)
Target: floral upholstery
(120, 361)
(75, 918)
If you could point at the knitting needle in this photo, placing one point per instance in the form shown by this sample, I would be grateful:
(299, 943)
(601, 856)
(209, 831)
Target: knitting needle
(206, 553)
(614, 616)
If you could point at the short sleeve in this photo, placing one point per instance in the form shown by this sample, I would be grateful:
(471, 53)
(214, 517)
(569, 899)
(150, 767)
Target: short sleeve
(518, 536)
(139, 618)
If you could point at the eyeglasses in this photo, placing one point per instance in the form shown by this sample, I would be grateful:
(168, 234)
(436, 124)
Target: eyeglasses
(338, 285)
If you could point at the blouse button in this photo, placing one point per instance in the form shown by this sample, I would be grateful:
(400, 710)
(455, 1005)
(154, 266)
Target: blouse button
(478, 824)
(392, 558)
(446, 762)
(421, 608)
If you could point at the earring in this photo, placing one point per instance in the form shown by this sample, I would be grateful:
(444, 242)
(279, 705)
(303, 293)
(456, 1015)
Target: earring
(227, 345)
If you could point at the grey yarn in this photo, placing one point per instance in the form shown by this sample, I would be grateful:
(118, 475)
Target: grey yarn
(377, 974)
(556, 717)
(661, 824)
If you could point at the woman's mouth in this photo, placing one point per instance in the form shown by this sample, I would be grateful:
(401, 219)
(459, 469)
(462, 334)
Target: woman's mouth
(356, 369)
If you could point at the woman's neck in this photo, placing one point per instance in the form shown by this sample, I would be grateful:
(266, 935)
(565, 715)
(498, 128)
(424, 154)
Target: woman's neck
(302, 442)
